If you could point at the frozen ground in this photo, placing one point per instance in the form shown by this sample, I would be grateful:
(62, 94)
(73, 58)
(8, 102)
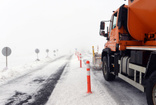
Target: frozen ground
(62, 82)
(20, 85)
(72, 87)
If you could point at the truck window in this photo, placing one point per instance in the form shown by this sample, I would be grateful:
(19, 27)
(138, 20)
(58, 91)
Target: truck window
(131, 0)
(114, 20)
(112, 23)
(110, 26)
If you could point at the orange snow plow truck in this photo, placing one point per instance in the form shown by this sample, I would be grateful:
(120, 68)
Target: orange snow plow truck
(130, 50)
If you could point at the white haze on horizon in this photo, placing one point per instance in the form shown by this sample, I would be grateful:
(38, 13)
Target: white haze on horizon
(50, 24)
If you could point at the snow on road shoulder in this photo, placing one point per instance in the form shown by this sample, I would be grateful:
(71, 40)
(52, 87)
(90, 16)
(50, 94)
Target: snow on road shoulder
(72, 87)
(15, 72)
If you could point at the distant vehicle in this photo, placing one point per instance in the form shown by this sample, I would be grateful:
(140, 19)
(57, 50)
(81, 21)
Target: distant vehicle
(130, 51)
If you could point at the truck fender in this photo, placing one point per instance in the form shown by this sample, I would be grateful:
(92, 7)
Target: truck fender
(105, 52)
(151, 65)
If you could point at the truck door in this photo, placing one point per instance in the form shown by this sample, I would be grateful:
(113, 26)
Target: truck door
(113, 25)
(113, 33)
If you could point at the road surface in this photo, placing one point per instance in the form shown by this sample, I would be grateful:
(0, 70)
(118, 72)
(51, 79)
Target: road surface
(63, 82)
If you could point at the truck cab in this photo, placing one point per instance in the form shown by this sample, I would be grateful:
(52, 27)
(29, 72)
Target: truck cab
(118, 35)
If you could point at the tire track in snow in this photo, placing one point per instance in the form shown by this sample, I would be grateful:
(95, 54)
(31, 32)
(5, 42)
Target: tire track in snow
(43, 92)
(42, 96)
(33, 70)
(122, 92)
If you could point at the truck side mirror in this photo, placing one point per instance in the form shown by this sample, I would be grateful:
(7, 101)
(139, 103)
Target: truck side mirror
(102, 27)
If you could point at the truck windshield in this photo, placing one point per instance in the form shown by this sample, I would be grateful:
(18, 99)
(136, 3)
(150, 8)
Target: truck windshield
(114, 20)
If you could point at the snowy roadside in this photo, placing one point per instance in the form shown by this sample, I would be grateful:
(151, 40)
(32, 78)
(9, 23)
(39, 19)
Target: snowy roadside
(72, 87)
(63, 82)
(33, 85)
(15, 72)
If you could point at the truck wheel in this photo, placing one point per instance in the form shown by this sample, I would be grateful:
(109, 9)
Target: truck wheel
(151, 89)
(107, 75)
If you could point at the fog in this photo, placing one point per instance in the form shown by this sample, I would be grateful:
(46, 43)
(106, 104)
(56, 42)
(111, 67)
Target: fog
(53, 24)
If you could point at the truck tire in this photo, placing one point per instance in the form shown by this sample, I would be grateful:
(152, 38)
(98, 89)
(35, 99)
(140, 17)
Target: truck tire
(151, 89)
(106, 73)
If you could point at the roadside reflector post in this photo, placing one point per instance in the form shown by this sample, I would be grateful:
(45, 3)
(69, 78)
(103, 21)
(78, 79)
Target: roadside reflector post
(93, 55)
(88, 77)
(80, 61)
(78, 56)
(75, 51)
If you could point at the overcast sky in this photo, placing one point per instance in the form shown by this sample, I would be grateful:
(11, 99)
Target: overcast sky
(53, 24)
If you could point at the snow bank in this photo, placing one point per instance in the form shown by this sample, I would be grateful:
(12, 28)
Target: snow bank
(15, 72)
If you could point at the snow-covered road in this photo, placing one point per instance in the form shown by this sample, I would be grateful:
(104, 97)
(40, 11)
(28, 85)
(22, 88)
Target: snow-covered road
(72, 88)
(63, 82)
(122, 92)
(27, 88)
